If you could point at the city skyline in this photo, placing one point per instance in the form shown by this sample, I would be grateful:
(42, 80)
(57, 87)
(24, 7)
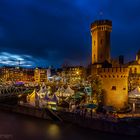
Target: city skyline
(44, 33)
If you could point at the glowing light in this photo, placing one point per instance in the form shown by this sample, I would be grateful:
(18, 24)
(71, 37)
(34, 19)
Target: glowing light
(53, 131)
(77, 72)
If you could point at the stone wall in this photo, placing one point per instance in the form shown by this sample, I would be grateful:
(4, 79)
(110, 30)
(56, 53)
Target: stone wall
(115, 86)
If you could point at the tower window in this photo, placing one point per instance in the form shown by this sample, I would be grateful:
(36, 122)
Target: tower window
(94, 42)
(101, 41)
(113, 87)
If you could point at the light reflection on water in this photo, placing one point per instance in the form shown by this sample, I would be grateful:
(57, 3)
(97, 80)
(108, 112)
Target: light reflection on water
(53, 131)
(24, 127)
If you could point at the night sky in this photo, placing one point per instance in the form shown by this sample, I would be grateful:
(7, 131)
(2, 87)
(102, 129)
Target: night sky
(53, 32)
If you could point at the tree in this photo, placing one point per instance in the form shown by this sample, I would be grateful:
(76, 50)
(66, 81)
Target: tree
(97, 93)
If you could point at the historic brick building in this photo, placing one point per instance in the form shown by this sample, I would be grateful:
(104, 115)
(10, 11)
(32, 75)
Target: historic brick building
(114, 79)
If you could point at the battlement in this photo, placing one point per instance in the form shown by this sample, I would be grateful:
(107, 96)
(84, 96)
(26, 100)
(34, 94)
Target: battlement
(101, 23)
(117, 72)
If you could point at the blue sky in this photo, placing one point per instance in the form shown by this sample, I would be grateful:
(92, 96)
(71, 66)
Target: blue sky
(53, 32)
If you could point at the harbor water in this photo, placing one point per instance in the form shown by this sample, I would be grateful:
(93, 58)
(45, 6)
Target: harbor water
(21, 127)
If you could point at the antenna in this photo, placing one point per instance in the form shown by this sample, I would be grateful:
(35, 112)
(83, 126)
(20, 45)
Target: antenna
(18, 63)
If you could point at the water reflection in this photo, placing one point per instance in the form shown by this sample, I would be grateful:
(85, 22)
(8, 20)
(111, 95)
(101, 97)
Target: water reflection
(53, 131)
(22, 127)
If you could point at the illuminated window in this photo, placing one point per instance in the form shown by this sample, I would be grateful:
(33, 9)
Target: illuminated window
(113, 87)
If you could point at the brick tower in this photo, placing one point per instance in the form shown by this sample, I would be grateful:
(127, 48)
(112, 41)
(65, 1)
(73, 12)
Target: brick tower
(100, 32)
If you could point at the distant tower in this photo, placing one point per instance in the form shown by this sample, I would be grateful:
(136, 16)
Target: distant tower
(138, 57)
(100, 32)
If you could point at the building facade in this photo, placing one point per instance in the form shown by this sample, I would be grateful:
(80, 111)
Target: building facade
(115, 86)
(75, 74)
(134, 73)
(40, 75)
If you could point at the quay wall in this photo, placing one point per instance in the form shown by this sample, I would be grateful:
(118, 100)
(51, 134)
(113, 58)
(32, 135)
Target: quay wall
(93, 123)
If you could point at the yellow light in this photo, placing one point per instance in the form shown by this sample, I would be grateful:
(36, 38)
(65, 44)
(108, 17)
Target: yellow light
(52, 103)
(77, 72)
(53, 131)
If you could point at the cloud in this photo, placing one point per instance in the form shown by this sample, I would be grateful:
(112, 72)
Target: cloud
(14, 59)
(52, 31)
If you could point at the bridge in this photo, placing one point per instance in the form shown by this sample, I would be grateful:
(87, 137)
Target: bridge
(12, 92)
